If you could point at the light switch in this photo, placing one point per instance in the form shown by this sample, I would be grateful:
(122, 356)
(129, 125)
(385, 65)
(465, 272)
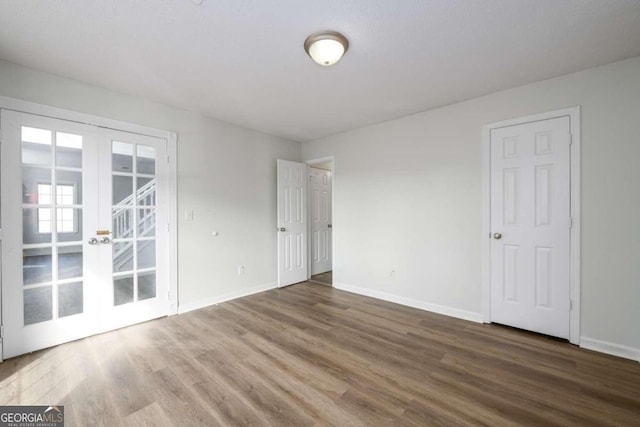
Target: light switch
(188, 215)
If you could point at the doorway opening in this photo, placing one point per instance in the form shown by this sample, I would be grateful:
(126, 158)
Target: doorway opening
(320, 220)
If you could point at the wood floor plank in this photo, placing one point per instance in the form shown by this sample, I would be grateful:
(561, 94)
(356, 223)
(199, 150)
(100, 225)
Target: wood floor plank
(313, 355)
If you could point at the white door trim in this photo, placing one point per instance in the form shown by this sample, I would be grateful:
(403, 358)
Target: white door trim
(309, 163)
(172, 140)
(74, 116)
(574, 252)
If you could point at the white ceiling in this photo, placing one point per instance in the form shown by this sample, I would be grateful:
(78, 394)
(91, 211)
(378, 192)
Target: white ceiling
(242, 61)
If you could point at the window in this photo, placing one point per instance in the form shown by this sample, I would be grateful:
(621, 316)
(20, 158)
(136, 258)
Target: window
(66, 221)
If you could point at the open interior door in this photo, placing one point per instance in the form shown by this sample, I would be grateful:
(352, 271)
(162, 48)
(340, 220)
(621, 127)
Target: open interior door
(292, 222)
(320, 218)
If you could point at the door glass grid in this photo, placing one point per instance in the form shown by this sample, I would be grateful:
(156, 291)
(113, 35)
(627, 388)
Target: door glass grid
(133, 222)
(52, 250)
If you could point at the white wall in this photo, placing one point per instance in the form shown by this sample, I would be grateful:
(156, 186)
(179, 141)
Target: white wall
(408, 197)
(226, 175)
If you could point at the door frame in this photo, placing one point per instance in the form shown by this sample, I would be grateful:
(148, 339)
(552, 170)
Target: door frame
(574, 245)
(7, 103)
(310, 163)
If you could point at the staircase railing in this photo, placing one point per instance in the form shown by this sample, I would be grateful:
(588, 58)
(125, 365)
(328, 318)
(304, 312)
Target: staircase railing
(124, 221)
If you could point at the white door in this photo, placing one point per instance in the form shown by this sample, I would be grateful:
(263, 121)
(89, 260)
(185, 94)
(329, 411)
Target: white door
(530, 226)
(320, 199)
(133, 185)
(57, 250)
(49, 211)
(292, 222)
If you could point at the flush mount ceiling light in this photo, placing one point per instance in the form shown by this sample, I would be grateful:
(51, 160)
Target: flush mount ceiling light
(326, 47)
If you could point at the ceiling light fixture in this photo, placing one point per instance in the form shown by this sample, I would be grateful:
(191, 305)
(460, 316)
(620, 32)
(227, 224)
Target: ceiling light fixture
(326, 47)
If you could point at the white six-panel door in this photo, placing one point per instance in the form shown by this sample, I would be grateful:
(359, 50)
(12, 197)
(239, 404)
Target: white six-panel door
(321, 227)
(292, 222)
(530, 226)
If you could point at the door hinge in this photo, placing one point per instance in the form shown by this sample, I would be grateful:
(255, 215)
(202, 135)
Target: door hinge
(168, 227)
(169, 295)
(1, 331)
(168, 159)
(570, 305)
(570, 222)
(570, 138)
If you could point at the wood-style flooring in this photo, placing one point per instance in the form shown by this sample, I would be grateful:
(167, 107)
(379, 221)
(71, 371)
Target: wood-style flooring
(325, 278)
(312, 355)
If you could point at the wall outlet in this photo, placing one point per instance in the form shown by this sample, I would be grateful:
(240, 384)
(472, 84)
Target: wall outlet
(241, 270)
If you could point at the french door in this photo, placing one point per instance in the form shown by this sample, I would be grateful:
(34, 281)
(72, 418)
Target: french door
(80, 208)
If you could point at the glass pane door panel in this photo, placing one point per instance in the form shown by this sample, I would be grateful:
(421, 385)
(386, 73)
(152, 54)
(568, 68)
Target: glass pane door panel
(122, 157)
(70, 299)
(146, 285)
(146, 253)
(36, 146)
(134, 221)
(36, 185)
(146, 222)
(68, 150)
(51, 218)
(145, 160)
(122, 290)
(146, 191)
(122, 256)
(70, 262)
(123, 223)
(122, 190)
(36, 225)
(69, 225)
(68, 187)
(37, 265)
(38, 304)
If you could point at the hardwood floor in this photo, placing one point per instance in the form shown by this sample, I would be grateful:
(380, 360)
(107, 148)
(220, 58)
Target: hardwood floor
(325, 278)
(312, 355)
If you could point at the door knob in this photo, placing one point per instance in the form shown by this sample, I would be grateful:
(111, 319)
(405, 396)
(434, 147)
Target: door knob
(282, 229)
(105, 240)
(93, 241)
(497, 236)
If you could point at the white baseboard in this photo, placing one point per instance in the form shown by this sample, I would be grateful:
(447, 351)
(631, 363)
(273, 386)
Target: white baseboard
(610, 348)
(434, 308)
(183, 308)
